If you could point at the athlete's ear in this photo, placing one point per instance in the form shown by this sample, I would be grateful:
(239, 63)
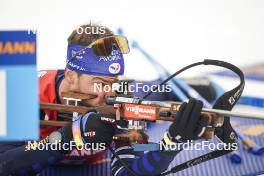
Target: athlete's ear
(70, 76)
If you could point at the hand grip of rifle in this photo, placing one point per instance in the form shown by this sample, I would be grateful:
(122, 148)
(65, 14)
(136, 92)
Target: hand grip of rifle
(214, 120)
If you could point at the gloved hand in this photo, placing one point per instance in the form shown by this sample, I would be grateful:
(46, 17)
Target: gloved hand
(188, 124)
(93, 128)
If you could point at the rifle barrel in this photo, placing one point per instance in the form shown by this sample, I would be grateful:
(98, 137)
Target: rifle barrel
(217, 111)
(235, 113)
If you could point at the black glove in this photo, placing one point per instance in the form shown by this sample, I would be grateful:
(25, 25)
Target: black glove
(94, 128)
(188, 124)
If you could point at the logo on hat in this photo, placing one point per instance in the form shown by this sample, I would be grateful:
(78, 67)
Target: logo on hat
(114, 68)
(114, 56)
(77, 55)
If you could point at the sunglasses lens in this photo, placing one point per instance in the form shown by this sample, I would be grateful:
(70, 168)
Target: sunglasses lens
(122, 44)
(104, 46)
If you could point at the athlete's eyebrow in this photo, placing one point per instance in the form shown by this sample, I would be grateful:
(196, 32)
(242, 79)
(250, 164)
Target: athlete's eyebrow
(108, 80)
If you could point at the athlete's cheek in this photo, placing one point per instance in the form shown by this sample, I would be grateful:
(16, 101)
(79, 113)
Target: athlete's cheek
(100, 97)
(87, 89)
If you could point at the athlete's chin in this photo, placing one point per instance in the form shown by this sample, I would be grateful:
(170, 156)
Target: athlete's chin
(93, 103)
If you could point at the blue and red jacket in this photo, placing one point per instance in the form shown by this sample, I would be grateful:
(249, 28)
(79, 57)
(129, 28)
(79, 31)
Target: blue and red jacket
(49, 82)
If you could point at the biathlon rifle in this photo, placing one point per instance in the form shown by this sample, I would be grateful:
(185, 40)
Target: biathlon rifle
(137, 111)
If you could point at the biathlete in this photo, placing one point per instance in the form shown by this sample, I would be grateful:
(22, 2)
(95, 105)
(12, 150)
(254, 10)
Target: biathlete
(94, 59)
